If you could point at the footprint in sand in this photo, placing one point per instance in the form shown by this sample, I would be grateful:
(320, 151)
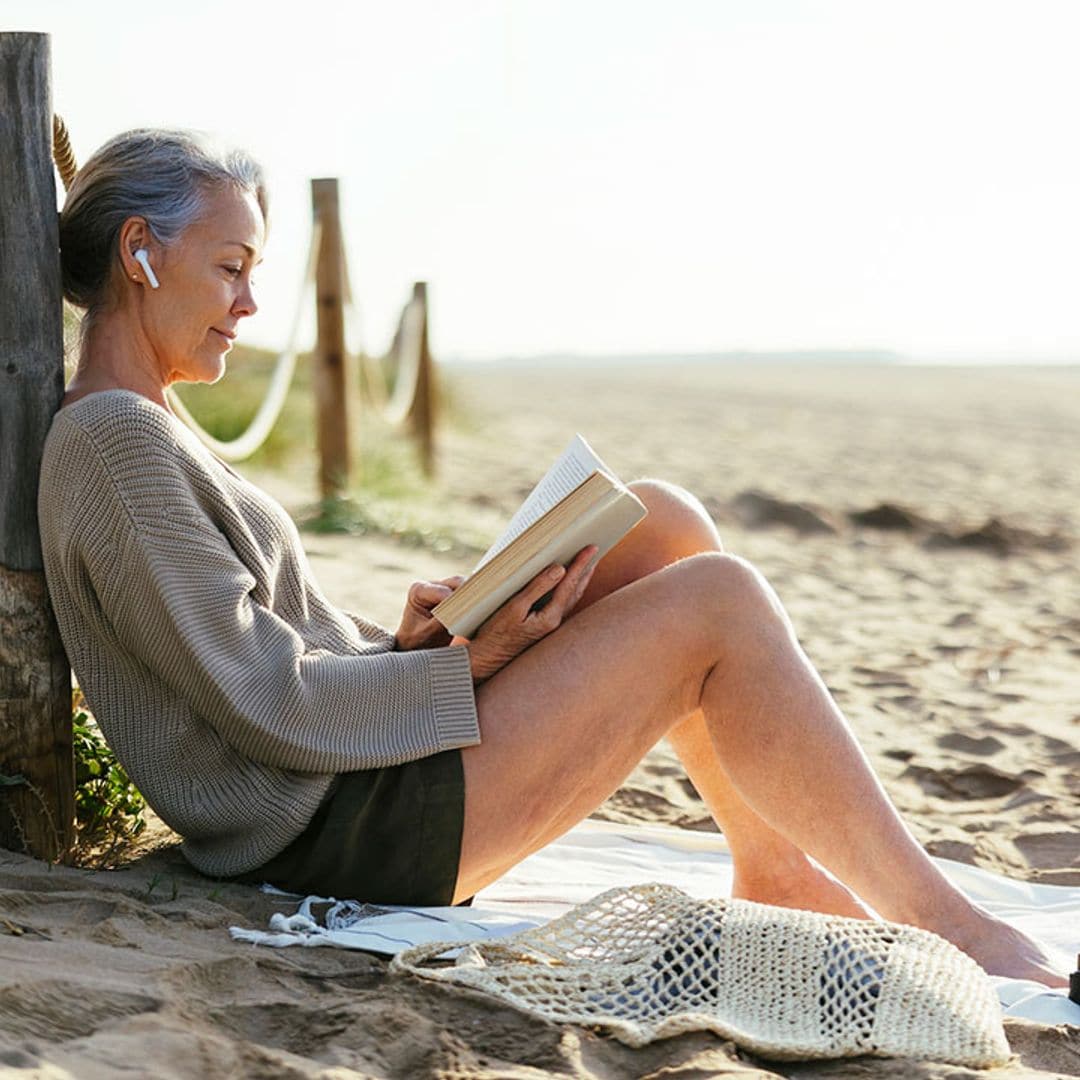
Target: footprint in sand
(758, 510)
(891, 517)
(963, 618)
(1051, 850)
(879, 678)
(985, 746)
(1062, 752)
(948, 848)
(55, 1010)
(907, 701)
(967, 782)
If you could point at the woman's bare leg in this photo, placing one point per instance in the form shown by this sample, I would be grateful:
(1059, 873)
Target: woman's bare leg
(767, 867)
(566, 722)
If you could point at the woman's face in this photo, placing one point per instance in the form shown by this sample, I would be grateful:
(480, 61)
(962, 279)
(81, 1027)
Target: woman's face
(205, 288)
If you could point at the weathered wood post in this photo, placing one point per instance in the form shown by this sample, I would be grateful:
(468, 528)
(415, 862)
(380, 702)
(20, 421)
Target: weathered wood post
(36, 772)
(334, 384)
(422, 412)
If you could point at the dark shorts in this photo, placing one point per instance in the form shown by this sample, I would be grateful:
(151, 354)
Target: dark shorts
(381, 836)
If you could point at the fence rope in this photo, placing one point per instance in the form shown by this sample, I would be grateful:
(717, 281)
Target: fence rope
(409, 346)
(372, 368)
(63, 155)
(243, 446)
(373, 373)
(395, 405)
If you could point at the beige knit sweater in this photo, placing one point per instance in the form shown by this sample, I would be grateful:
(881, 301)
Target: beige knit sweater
(226, 683)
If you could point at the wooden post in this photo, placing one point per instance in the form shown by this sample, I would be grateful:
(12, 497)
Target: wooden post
(422, 413)
(334, 385)
(37, 784)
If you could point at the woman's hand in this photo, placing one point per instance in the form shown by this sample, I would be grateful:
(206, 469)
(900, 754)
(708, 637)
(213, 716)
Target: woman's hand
(516, 626)
(418, 629)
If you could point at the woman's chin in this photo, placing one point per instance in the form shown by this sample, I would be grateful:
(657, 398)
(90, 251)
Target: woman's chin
(215, 366)
(218, 375)
(205, 370)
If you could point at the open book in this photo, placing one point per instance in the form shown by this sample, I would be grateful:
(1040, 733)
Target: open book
(577, 503)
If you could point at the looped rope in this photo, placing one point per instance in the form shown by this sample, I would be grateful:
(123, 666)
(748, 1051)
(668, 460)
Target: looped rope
(395, 405)
(409, 346)
(63, 155)
(371, 367)
(243, 446)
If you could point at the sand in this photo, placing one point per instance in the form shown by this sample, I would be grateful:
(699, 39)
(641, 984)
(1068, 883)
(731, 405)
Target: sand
(951, 639)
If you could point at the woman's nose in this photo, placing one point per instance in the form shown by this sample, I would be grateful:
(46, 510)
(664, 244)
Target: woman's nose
(245, 302)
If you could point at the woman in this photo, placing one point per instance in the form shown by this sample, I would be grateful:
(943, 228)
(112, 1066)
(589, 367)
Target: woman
(288, 741)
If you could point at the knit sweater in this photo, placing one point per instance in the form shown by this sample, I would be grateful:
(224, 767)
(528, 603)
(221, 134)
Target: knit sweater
(229, 687)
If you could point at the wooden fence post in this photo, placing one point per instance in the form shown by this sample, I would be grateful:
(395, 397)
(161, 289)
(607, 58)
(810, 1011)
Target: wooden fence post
(422, 413)
(36, 772)
(334, 384)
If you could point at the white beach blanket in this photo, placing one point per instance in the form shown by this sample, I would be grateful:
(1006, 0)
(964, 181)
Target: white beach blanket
(596, 856)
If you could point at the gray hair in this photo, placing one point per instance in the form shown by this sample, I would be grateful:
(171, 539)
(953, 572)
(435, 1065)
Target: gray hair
(160, 175)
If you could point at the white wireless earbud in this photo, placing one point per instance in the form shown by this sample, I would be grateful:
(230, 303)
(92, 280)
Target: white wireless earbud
(143, 259)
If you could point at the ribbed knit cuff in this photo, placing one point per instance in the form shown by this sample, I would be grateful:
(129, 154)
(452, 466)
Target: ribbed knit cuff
(455, 703)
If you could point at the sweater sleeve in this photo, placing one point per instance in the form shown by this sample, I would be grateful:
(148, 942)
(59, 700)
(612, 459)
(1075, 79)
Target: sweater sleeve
(183, 604)
(371, 631)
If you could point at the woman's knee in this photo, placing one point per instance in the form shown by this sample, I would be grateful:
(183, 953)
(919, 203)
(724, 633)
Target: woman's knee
(729, 594)
(677, 521)
(675, 527)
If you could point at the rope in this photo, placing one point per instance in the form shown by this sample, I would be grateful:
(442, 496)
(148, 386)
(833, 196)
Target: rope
(372, 370)
(63, 155)
(410, 344)
(243, 446)
(394, 406)
(404, 354)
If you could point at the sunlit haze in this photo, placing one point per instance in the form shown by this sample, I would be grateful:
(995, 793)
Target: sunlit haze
(622, 177)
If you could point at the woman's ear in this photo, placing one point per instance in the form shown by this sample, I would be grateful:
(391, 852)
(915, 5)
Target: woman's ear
(135, 235)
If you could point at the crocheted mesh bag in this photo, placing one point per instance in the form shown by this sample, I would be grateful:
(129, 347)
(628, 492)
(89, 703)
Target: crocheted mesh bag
(649, 962)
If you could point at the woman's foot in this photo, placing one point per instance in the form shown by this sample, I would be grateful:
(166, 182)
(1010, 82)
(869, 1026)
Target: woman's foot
(998, 948)
(1002, 950)
(796, 883)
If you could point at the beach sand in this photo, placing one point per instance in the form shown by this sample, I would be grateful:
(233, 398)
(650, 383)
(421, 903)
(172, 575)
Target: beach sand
(921, 525)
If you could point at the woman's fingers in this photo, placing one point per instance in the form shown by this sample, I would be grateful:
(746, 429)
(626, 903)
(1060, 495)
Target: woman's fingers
(424, 595)
(572, 586)
(516, 626)
(537, 589)
(565, 587)
(418, 627)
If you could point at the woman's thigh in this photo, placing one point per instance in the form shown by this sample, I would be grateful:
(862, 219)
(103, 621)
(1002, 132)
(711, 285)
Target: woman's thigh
(566, 722)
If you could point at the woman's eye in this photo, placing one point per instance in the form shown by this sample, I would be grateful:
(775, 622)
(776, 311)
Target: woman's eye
(233, 270)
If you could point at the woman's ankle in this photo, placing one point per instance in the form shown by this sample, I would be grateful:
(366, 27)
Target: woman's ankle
(795, 881)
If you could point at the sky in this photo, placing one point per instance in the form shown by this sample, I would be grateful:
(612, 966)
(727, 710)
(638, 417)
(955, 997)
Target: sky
(586, 176)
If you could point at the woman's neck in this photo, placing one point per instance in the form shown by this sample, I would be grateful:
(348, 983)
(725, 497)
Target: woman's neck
(113, 358)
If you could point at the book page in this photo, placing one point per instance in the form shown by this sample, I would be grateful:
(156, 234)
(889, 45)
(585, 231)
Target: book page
(573, 467)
